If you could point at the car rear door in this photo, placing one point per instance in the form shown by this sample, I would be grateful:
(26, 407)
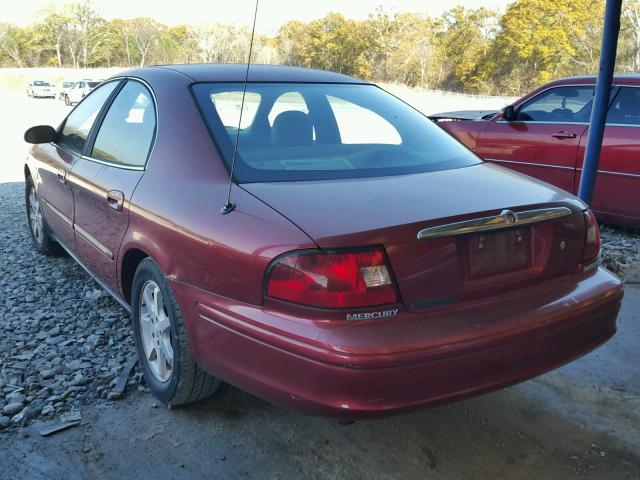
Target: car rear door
(617, 191)
(104, 179)
(55, 160)
(543, 139)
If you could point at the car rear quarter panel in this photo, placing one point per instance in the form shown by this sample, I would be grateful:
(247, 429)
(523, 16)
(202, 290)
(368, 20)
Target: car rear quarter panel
(175, 215)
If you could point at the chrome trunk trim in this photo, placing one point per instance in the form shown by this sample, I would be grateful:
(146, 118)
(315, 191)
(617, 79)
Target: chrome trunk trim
(506, 219)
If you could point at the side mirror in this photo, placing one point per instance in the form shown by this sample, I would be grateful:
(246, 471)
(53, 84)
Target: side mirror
(508, 113)
(40, 134)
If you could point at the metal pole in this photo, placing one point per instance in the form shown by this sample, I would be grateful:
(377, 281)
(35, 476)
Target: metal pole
(601, 99)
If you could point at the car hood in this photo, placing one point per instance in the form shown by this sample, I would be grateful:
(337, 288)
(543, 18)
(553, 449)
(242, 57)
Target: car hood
(332, 212)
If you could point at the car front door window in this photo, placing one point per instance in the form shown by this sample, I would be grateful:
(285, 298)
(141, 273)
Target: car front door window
(77, 126)
(569, 104)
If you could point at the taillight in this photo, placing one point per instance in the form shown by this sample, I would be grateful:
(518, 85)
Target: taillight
(591, 247)
(332, 279)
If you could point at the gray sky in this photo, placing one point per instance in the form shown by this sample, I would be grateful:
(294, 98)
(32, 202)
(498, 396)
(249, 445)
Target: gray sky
(271, 13)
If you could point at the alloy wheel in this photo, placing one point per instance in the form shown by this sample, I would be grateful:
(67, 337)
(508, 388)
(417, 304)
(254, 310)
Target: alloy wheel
(35, 216)
(155, 330)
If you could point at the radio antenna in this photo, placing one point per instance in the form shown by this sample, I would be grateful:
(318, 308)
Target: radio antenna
(228, 207)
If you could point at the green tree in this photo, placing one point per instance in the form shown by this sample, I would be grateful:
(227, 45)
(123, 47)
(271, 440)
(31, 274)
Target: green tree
(13, 43)
(543, 39)
(53, 29)
(466, 40)
(630, 35)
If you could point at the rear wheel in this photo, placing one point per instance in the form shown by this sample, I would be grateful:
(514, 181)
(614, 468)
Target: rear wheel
(161, 340)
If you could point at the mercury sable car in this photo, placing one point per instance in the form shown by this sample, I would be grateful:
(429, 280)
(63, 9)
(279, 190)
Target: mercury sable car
(544, 134)
(366, 264)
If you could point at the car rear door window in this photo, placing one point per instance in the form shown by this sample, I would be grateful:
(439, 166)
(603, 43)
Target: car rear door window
(358, 125)
(569, 104)
(128, 129)
(625, 109)
(79, 122)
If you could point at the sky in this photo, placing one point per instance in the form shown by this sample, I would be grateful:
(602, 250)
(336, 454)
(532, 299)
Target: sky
(271, 13)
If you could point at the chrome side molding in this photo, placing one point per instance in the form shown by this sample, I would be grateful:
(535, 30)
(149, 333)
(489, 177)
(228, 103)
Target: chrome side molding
(506, 219)
(80, 231)
(94, 242)
(62, 216)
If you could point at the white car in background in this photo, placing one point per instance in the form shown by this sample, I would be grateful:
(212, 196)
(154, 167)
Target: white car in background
(64, 88)
(40, 89)
(79, 90)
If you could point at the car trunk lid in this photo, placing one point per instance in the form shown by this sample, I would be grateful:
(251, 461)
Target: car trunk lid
(452, 266)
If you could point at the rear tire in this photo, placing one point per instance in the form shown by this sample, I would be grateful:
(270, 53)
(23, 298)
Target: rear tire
(38, 228)
(161, 339)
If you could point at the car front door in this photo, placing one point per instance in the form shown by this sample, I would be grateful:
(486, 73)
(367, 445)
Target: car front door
(55, 160)
(543, 138)
(104, 179)
(616, 196)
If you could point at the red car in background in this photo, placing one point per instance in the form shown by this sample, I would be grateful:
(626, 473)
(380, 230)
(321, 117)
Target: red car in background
(544, 135)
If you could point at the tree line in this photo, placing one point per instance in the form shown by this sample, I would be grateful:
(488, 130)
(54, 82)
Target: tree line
(472, 50)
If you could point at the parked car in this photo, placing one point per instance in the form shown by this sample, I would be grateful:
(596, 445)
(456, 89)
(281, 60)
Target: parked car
(40, 89)
(367, 263)
(79, 90)
(64, 89)
(544, 134)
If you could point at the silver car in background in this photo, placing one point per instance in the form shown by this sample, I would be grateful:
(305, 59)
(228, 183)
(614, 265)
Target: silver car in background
(63, 89)
(40, 89)
(79, 90)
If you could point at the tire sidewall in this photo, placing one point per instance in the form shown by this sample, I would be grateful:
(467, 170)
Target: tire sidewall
(41, 247)
(148, 270)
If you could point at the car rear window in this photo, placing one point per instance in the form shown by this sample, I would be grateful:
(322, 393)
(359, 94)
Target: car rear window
(318, 131)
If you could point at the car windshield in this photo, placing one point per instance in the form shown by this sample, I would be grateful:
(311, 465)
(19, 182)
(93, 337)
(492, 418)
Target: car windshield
(39, 83)
(93, 84)
(319, 131)
(67, 84)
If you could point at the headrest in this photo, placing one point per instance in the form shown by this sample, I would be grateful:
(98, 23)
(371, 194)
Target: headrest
(292, 129)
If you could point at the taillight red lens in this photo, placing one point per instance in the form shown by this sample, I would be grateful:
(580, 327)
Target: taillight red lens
(332, 279)
(591, 247)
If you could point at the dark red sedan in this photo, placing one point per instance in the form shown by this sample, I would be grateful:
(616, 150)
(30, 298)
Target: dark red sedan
(371, 264)
(544, 134)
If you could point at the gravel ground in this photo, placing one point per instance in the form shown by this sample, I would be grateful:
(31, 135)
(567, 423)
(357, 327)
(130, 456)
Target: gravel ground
(67, 340)
(621, 252)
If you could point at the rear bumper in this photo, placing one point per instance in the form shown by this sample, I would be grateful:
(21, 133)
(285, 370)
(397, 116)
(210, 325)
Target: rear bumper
(313, 369)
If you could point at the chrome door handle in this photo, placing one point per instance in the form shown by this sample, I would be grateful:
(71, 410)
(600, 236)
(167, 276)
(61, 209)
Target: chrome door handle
(115, 199)
(563, 135)
(62, 175)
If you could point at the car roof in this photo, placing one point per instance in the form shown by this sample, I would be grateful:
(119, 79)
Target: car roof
(235, 72)
(631, 77)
